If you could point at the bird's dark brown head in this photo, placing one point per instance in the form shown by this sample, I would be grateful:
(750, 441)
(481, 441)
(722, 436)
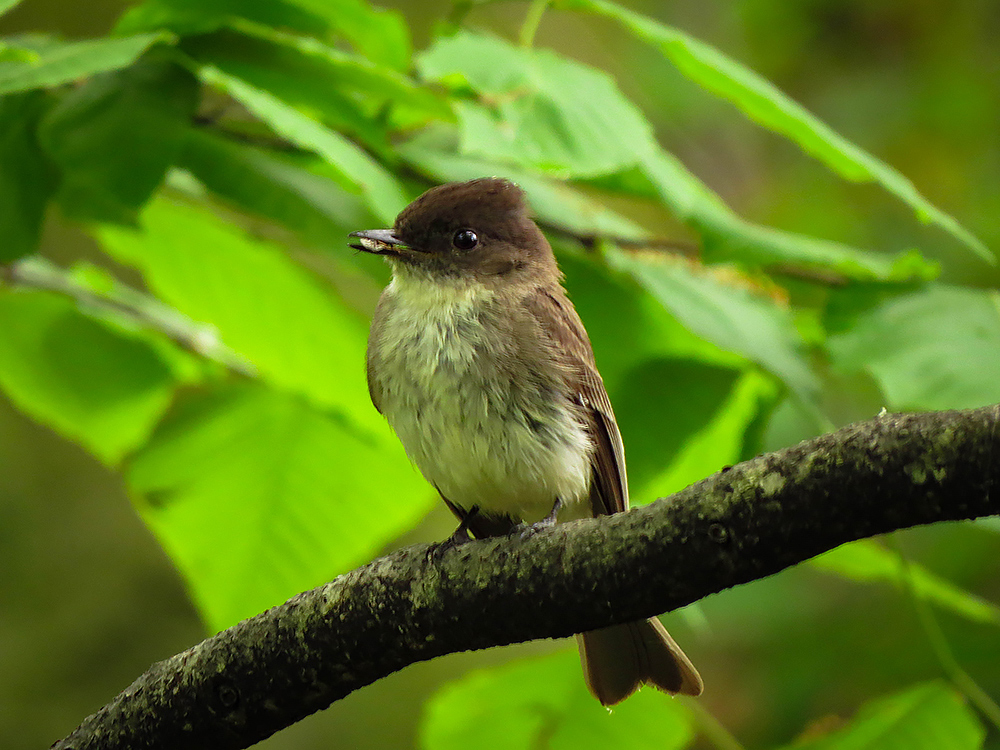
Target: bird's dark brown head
(478, 229)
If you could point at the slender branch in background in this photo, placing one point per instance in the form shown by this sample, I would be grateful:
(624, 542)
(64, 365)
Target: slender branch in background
(743, 523)
(954, 671)
(122, 301)
(532, 20)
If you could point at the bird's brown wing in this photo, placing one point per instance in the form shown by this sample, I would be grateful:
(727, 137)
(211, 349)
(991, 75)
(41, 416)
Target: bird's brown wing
(560, 321)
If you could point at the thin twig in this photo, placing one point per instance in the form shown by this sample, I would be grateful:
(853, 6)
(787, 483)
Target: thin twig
(123, 301)
(961, 679)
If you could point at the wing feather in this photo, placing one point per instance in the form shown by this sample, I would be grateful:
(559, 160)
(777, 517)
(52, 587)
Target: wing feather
(559, 319)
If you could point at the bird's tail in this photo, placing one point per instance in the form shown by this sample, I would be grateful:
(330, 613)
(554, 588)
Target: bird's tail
(618, 659)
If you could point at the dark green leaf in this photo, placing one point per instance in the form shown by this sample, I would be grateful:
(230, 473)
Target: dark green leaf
(765, 104)
(27, 178)
(346, 91)
(91, 383)
(866, 561)
(357, 170)
(380, 35)
(115, 136)
(278, 187)
(683, 404)
(61, 63)
(542, 702)
(732, 318)
(937, 348)
(258, 496)
(536, 109)
(188, 17)
(932, 716)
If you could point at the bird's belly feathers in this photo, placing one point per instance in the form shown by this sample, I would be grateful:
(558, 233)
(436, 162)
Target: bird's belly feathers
(482, 427)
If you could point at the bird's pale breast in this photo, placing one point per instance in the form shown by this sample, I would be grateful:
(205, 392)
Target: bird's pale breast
(480, 420)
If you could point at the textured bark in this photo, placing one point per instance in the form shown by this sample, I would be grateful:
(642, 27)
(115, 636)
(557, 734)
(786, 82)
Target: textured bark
(743, 523)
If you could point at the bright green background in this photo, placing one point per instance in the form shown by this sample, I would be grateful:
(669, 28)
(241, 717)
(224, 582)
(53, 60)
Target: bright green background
(149, 492)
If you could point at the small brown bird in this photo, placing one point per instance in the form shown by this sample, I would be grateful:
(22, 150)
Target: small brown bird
(481, 365)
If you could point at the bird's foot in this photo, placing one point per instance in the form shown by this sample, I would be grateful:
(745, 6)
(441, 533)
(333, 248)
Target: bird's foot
(525, 530)
(458, 537)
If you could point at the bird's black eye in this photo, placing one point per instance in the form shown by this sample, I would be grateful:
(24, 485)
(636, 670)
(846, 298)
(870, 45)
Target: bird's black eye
(465, 239)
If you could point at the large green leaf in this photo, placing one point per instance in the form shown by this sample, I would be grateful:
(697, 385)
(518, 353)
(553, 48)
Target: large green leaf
(56, 64)
(273, 185)
(732, 318)
(937, 348)
(536, 109)
(357, 170)
(765, 104)
(866, 561)
(542, 702)
(257, 496)
(93, 384)
(294, 332)
(932, 716)
(6, 5)
(115, 136)
(27, 178)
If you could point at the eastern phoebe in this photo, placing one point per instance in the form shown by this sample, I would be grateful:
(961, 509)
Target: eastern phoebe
(481, 365)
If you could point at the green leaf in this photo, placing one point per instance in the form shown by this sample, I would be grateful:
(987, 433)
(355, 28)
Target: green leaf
(273, 185)
(61, 63)
(555, 203)
(294, 332)
(27, 178)
(867, 562)
(346, 91)
(729, 237)
(257, 496)
(91, 383)
(542, 702)
(768, 106)
(732, 318)
(115, 136)
(537, 110)
(187, 17)
(932, 716)
(719, 440)
(937, 348)
(379, 34)
(684, 405)
(6, 5)
(358, 171)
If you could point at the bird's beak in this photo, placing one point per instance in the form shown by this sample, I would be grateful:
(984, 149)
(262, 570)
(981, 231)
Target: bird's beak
(379, 242)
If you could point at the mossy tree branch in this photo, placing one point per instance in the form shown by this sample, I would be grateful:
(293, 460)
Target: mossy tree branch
(741, 524)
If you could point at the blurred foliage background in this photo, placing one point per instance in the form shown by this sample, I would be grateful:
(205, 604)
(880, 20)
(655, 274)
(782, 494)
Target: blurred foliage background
(184, 433)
